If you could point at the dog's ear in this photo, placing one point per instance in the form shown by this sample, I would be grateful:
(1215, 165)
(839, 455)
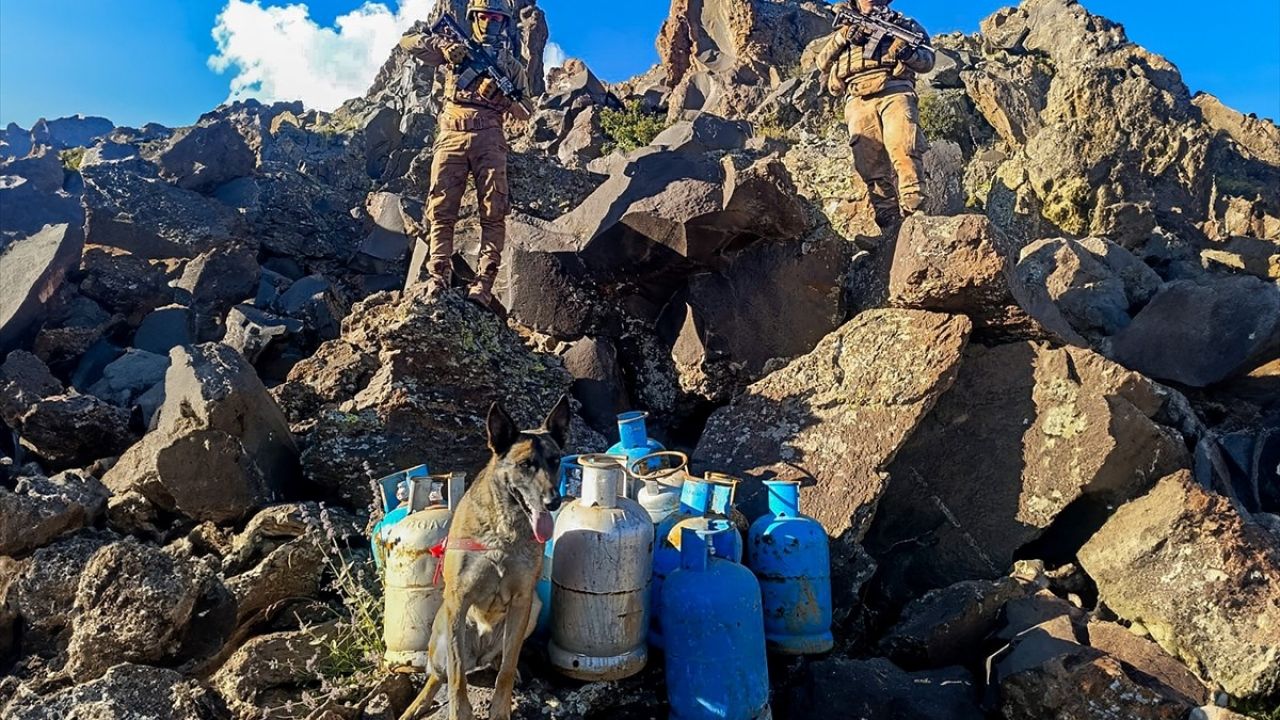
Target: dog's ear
(503, 432)
(557, 422)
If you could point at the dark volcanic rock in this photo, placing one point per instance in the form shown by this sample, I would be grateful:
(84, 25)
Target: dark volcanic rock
(24, 381)
(73, 430)
(410, 382)
(45, 593)
(125, 692)
(877, 688)
(133, 604)
(597, 381)
(40, 509)
(130, 208)
(1090, 286)
(31, 269)
(1199, 334)
(221, 446)
(959, 264)
(73, 131)
(768, 304)
(1053, 433)
(1145, 656)
(1202, 579)
(809, 421)
(204, 156)
(164, 329)
(664, 206)
(949, 626)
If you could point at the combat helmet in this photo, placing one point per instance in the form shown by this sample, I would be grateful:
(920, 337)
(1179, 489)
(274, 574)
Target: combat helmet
(502, 7)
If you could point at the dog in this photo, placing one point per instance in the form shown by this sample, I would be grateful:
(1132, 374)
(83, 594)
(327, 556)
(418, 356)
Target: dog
(492, 561)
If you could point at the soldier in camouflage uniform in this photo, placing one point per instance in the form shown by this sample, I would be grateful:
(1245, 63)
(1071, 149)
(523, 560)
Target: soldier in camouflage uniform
(470, 143)
(878, 73)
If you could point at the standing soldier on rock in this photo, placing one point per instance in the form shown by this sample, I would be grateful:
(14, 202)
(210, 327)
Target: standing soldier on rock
(470, 143)
(878, 72)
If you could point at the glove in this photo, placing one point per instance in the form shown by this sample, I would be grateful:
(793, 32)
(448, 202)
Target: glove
(455, 53)
(859, 37)
(900, 51)
(488, 89)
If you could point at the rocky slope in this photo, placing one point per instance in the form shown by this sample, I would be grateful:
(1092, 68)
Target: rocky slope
(1041, 423)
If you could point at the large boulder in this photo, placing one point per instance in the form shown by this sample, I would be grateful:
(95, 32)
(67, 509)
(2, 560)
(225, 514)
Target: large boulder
(221, 447)
(290, 571)
(31, 269)
(205, 156)
(281, 659)
(1057, 436)
(837, 416)
(1047, 59)
(598, 382)
(44, 594)
(35, 193)
(409, 382)
(1147, 657)
(215, 280)
(127, 378)
(877, 688)
(1084, 683)
(723, 56)
(24, 381)
(664, 206)
(38, 509)
(1201, 333)
(130, 208)
(1245, 254)
(126, 692)
(72, 131)
(767, 304)
(73, 430)
(1088, 288)
(1202, 579)
(948, 626)
(958, 264)
(134, 603)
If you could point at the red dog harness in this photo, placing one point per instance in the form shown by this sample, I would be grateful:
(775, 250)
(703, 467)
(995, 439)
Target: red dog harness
(438, 550)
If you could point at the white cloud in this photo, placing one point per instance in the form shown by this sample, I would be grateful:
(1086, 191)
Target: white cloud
(553, 57)
(280, 53)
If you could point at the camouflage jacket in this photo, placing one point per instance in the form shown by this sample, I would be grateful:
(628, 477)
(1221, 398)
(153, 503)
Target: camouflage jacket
(863, 71)
(429, 49)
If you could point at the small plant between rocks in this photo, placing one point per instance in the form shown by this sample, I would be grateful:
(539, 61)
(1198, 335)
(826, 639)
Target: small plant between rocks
(630, 128)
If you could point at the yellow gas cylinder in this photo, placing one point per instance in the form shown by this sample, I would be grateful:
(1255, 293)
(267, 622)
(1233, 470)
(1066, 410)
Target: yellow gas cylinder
(412, 595)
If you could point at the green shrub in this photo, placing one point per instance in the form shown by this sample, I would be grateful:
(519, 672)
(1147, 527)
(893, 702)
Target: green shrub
(630, 128)
(772, 129)
(71, 159)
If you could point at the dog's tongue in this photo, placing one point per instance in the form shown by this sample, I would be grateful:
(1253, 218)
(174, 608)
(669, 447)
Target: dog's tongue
(543, 525)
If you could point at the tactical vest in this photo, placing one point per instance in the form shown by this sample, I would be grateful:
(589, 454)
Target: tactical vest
(466, 93)
(864, 71)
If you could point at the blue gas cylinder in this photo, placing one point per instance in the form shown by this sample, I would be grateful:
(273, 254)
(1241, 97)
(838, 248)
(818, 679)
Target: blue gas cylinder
(789, 554)
(569, 478)
(395, 490)
(716, 664)
(633, 438)
(695, 502)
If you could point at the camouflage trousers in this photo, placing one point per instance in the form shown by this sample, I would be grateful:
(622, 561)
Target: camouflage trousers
(884, 131)
(462, 152)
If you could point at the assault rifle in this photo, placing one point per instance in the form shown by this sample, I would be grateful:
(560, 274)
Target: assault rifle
(879, 22)
(479, 63)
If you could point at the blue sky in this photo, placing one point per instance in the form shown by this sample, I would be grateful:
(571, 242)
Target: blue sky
(136, 61)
